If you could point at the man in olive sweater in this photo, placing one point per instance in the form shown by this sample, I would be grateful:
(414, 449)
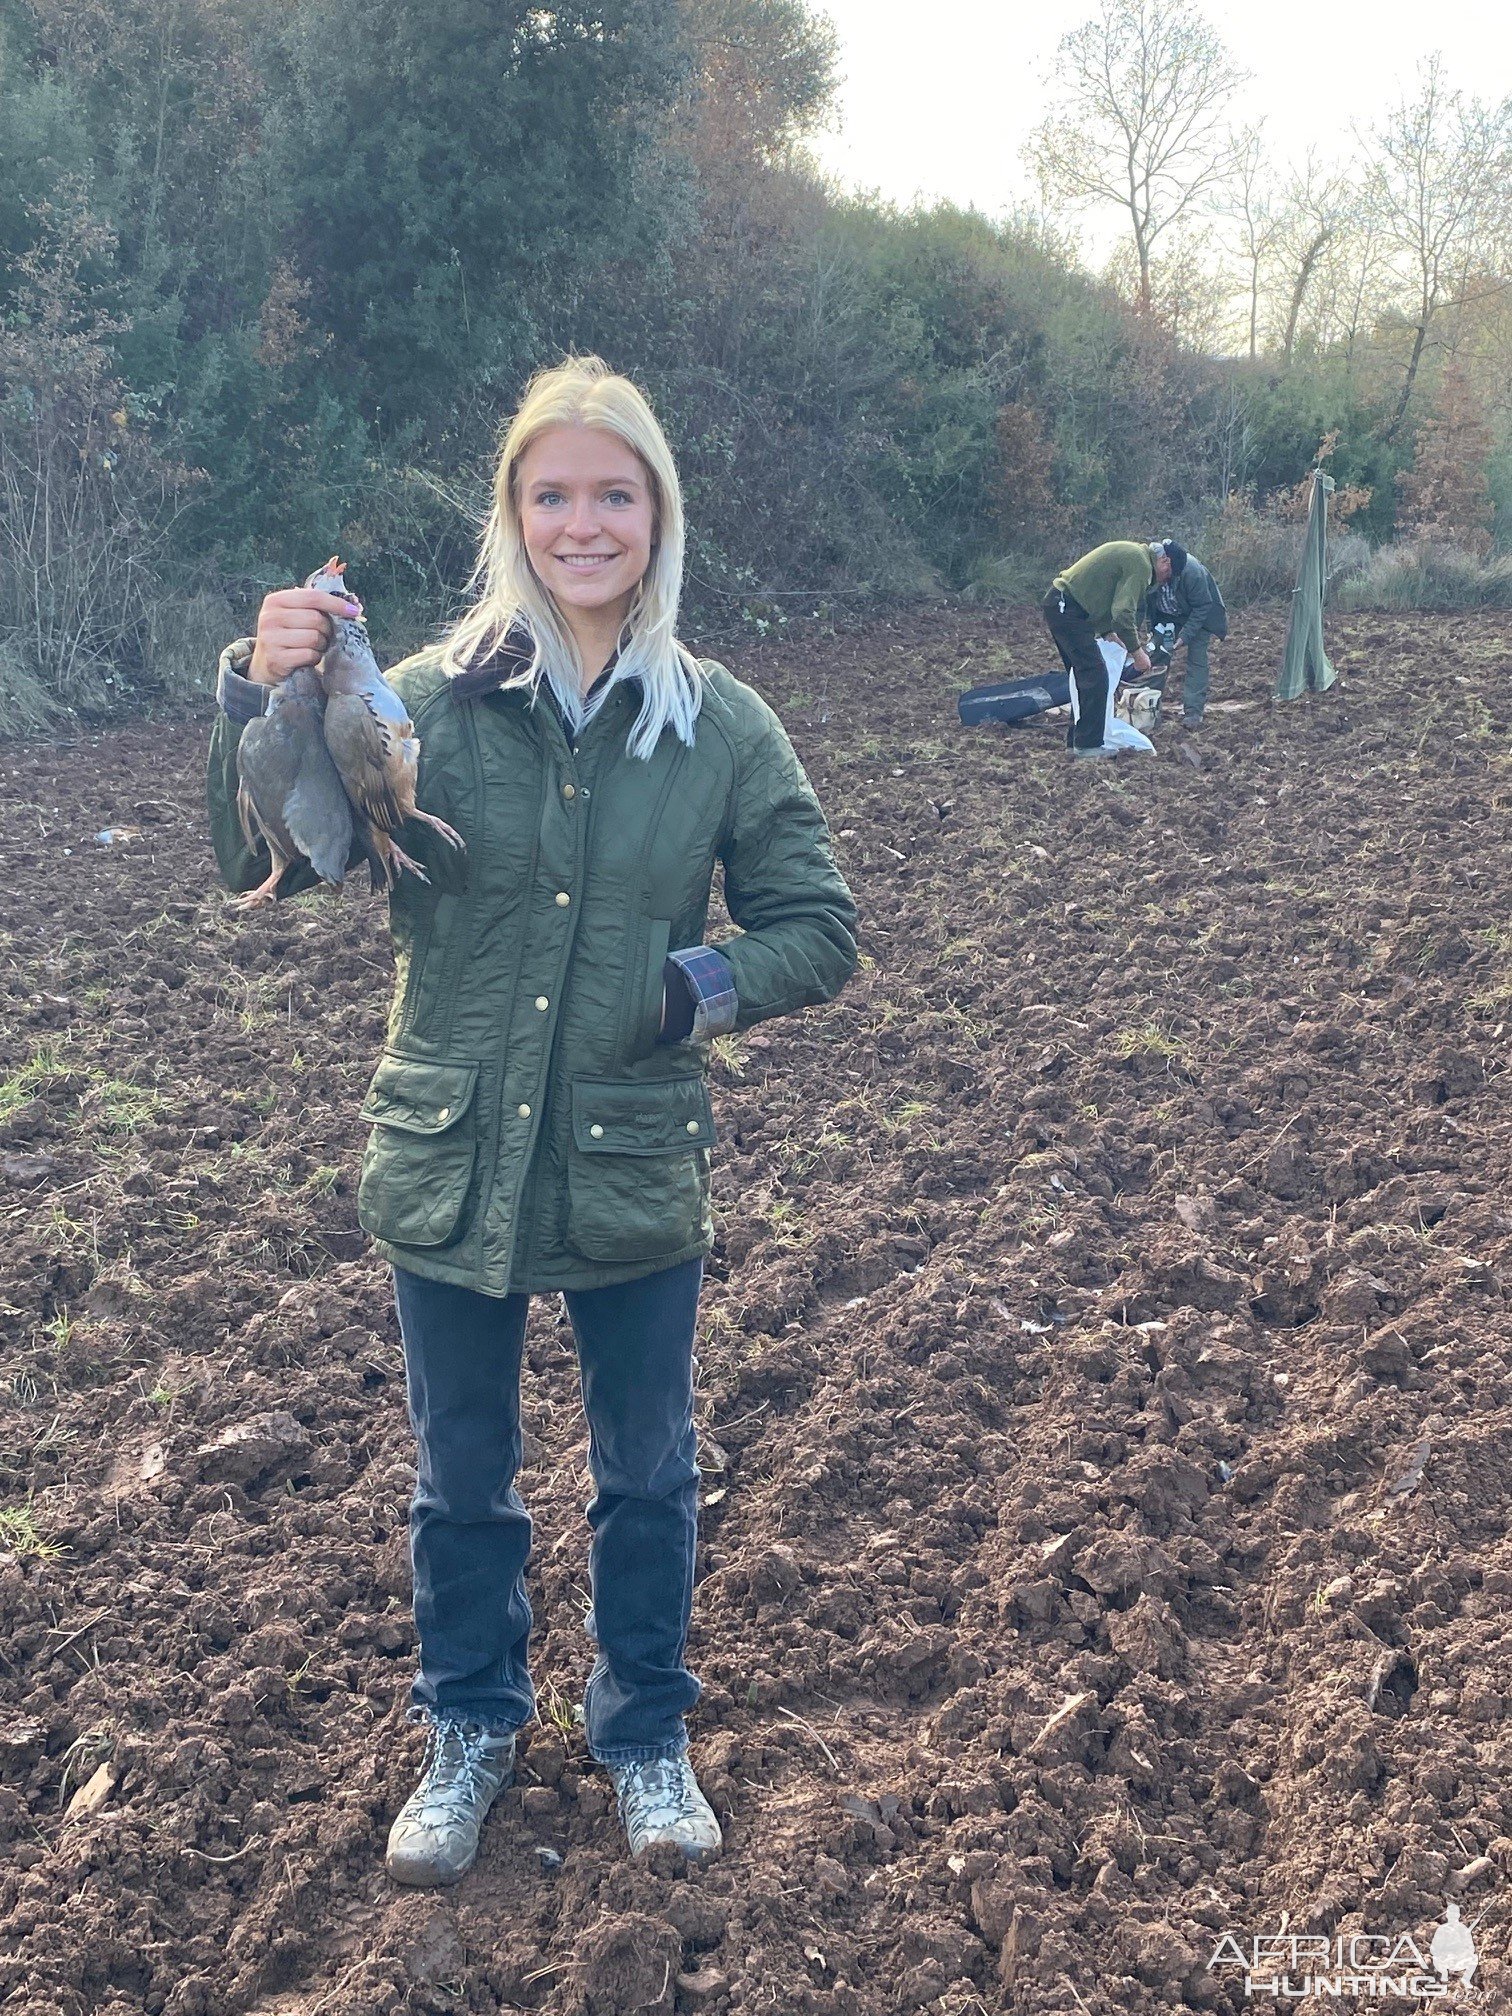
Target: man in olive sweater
(1099, 596)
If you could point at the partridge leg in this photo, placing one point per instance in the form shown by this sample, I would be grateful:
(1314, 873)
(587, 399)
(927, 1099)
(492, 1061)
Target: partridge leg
(265, 892)
(448, 833)
(394, 858)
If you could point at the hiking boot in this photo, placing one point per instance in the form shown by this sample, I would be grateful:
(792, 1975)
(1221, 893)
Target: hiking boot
(1191, 720)
(435, 1837)
(1097, 749)
(660, 1801)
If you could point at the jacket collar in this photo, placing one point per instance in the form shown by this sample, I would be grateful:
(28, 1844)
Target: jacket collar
(487, 674)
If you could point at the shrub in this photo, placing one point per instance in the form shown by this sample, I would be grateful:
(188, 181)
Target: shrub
(87, 498)
(1423, 576)
(186, 633)
(1251, 554)
(1256, 555)
(1008, 577)
(1446, 497)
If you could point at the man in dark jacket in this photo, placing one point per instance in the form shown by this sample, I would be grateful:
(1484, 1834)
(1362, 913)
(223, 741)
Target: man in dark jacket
(1186, 610)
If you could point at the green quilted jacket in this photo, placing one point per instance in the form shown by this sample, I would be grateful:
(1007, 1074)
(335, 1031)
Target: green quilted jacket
(528, 1131)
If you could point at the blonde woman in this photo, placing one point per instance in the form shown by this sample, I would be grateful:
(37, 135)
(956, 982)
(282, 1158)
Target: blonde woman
(540, 1114)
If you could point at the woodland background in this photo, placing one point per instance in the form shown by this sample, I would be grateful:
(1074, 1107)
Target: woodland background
(272, 277)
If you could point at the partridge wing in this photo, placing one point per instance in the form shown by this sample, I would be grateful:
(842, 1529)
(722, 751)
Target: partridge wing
(319, 814)
(290, 790)
(267, 766)
(369, 753)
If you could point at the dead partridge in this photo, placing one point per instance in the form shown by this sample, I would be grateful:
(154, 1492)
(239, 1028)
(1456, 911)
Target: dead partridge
(290, 793)
(371, 738)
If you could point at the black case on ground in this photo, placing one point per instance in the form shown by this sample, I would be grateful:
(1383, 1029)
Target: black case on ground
(1016, 700)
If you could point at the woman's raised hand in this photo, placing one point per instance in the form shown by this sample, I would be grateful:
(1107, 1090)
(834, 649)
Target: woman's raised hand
(293, 630)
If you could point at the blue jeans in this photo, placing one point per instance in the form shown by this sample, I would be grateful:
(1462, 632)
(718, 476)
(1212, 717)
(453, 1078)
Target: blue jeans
(470, 1532)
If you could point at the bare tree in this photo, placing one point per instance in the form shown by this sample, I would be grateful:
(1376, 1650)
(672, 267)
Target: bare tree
(1439, 182)
(1314, 214)
(1233, 441)
(1355, 281)
(1188, 297)
(1143, 87)
(1255, 216)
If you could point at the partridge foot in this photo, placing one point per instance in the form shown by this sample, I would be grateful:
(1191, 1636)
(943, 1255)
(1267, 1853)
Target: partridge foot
(260, 897)
(448, 833)
(394, 859)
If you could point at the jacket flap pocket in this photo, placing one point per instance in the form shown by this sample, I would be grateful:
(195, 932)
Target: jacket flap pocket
(419, 1097)
(655, 1118)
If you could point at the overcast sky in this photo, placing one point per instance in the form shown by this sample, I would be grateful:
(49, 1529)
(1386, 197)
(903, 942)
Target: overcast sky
(937, 101)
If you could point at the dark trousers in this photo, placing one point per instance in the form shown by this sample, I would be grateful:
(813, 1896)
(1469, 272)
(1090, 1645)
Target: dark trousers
(1194, 690)
(470, 1532)
(1075, 639)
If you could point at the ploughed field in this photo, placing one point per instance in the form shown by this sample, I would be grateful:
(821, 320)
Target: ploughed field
(1104, 1383)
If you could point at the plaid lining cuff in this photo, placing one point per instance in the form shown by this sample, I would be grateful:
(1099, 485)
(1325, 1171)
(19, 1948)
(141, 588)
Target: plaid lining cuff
(239, 698)
(711, 995)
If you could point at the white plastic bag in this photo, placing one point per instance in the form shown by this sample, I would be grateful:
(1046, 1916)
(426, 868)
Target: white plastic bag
(1116, 734)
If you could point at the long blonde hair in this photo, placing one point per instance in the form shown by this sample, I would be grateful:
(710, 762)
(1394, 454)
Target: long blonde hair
(583, 392)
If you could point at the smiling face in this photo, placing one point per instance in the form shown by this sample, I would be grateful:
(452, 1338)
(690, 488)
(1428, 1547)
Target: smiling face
(588, 517)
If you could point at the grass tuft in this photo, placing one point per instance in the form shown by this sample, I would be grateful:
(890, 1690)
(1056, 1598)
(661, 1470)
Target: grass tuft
(20, 1535)
(1148, 1039)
